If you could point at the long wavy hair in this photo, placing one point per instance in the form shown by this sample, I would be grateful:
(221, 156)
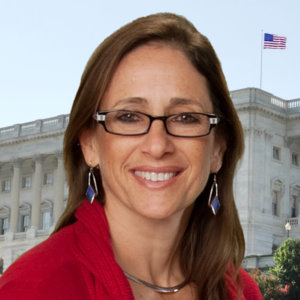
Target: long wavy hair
(211, 244)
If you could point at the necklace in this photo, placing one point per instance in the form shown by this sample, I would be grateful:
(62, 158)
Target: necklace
(156, 288)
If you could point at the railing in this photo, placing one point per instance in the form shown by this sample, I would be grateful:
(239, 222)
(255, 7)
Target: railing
(294, 104)
(42, 233)
(291, 106)
(279, 102)
(20, 235)
(7, 130)
(292, 221)
(23, 235)
(257, 261)
(258, 96)
(36, 127)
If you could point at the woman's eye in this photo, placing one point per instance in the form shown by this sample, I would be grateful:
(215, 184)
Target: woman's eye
(188, 118)
(128, 117)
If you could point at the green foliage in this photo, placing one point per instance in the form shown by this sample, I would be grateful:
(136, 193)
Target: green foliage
(287, 266)
(283, 280)
(268, 285)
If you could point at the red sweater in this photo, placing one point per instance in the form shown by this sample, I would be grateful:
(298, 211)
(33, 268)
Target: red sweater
(78, 263)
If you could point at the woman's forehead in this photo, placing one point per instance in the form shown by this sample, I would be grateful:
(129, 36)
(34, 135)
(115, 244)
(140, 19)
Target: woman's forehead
(156, 72)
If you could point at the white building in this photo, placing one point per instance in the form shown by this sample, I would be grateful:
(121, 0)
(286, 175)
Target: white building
(32, 184)
(267, 184)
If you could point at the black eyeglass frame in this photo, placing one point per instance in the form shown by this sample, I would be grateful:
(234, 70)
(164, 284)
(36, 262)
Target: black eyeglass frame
(99, 116)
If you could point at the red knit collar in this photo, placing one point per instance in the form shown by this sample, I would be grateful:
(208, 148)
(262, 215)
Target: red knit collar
(95, 251)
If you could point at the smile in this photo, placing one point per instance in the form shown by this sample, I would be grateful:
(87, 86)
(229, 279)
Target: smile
(153, 176)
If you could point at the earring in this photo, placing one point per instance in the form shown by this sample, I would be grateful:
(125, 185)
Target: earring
(90, 193)
(214, 203)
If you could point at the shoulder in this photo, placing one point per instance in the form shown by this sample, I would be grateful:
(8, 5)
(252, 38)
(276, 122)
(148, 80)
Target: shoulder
(50, 264)
(250, 287)
(245, 285)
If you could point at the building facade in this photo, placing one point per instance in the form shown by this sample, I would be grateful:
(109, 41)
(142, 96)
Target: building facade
(267, 183)
(33, 188)
(32, 184)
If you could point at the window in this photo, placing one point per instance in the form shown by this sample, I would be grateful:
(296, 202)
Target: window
(294, 207)
(46, 220)
(4, 219)
(48, 178)
(25, 223)
(1, 265)
(274, 248)
(295, 201)
(277, 191)
(46, 214)
(24, 217)
(275, 203)
(276, 153)
(5, 185)
(3, 225)
(295, 159)
(26, 182)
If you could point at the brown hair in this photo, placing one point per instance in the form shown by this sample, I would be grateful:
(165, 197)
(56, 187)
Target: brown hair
(210, 244)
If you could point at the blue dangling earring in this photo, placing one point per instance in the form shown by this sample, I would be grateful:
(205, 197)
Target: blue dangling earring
(91, 193)
(214, 203)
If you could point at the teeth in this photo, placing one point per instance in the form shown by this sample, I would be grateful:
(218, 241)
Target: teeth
(155, 176)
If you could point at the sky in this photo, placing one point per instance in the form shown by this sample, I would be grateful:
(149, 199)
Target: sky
(45, 45)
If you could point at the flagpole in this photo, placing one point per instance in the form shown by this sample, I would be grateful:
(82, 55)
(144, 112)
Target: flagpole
(261, 58)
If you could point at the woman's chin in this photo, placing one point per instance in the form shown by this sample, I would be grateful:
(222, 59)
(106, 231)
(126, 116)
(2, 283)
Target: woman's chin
(157, 213)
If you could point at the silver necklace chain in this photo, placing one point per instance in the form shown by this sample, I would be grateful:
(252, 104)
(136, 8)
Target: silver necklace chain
(156, 288)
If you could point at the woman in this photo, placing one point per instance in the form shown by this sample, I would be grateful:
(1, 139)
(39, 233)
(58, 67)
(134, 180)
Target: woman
(150, 153)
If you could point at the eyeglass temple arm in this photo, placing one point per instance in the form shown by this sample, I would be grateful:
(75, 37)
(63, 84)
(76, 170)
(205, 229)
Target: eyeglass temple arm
(214, 120)
(99, 118)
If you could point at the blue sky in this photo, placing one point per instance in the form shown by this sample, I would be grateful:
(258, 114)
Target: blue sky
(46, 44)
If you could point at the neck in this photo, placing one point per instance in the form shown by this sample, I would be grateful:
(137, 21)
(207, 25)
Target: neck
(148, 248)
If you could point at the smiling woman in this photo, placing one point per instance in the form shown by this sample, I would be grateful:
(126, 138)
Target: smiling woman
(154, 138)
(190, 161)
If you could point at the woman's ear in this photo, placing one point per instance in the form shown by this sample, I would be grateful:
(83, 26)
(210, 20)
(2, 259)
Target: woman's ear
(86, 140)
(217, 154)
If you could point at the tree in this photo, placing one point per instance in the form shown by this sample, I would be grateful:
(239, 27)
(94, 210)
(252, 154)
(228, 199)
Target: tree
(283, 280)
(287, 267)
(268, 285)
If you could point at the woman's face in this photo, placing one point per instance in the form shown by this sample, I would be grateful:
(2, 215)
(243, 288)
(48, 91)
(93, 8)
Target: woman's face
(155, 175)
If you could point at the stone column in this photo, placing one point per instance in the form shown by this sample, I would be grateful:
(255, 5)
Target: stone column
(59, 188)
(37, 189)
(15, 196)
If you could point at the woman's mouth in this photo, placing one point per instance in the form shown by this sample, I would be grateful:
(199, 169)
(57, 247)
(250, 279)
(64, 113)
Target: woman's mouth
(153, 176)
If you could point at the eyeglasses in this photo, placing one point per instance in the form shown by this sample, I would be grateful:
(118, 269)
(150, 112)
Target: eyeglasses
(132, 123)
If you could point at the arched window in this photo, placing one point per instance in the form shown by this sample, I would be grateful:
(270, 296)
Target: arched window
(25, 222)
(294, 201)
(46, 214)
(277, 190)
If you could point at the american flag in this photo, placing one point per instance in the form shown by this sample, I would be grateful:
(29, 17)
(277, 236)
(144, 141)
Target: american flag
(273, 41)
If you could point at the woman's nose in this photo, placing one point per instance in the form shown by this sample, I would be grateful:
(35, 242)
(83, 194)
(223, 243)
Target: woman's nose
(157, 142)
